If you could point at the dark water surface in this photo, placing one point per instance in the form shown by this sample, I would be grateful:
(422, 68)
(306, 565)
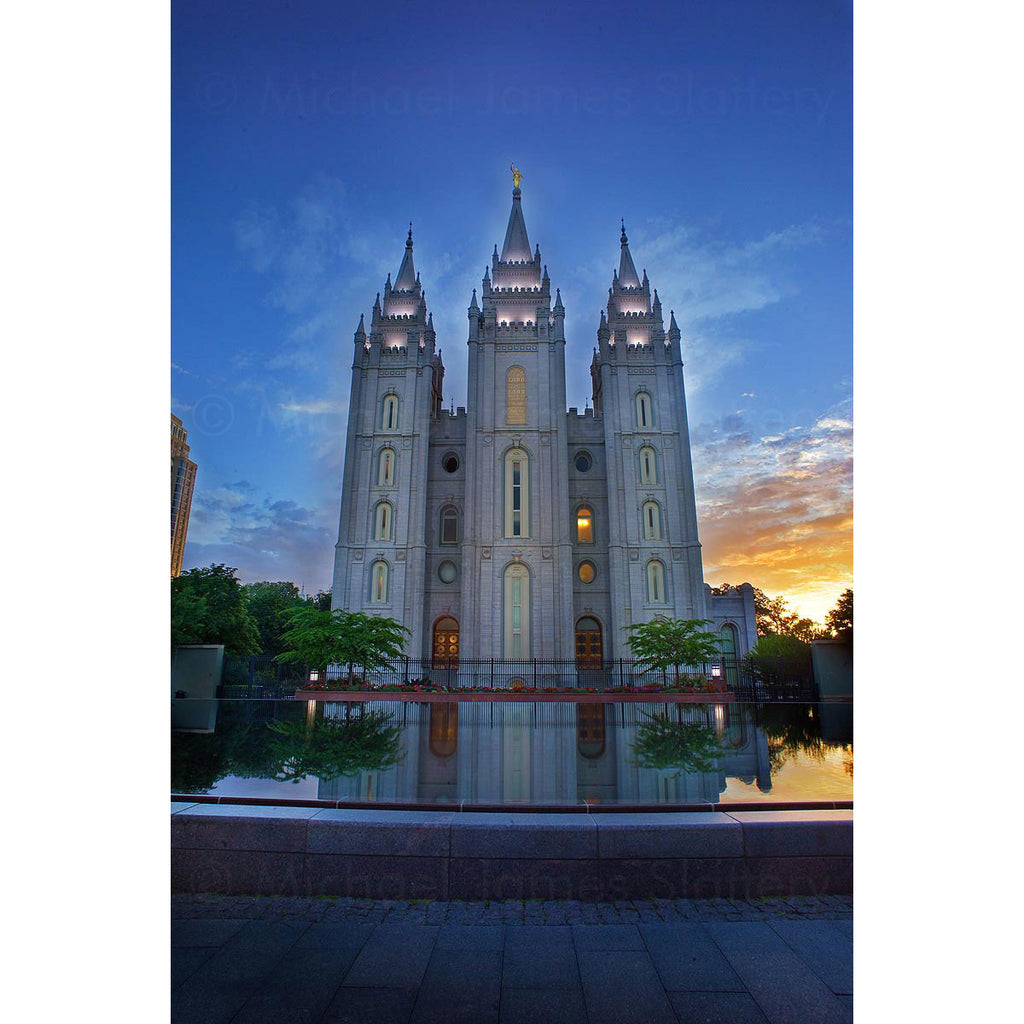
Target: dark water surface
(519, 754)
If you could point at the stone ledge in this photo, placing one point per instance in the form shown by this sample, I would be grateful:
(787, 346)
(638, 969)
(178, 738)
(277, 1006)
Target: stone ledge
(426, 855)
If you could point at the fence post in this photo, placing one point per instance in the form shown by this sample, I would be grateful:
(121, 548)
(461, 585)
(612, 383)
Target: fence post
(535, 673)
(252, 675)
(405, 672)
(621, 684)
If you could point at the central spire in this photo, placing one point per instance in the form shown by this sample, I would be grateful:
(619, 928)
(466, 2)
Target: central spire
(406, 280)
(627, 272)
(517, 242)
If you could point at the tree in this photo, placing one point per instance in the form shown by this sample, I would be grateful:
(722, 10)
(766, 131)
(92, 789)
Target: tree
(668, 643)
(778, 660)
(839, 621)
(774, 616)
(322, 599)
(208, 607)
(270, 604)
(320, 638)
(685, 746)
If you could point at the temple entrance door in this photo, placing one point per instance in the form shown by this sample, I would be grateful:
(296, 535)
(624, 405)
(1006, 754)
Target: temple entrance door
(589, 652)
(445, 654)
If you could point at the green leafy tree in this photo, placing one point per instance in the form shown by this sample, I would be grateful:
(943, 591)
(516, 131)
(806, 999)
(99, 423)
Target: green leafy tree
(839, 621)
(319, 638)
(668, 643)
(270, 605)
(322, 599)
(778, 659)
(685, 746)
(208, 607)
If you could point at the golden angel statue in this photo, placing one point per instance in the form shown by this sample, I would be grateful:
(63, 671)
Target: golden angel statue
(516, 176)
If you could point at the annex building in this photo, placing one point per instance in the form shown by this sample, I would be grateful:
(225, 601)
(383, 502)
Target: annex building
(514, 528)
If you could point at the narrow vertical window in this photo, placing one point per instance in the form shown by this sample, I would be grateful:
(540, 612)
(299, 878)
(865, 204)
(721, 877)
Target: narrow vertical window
(584, 526)
(386, 468)
(515, 395)
(379, 583)
(655, 582)
(643, 410)
(449, 525)
(517, 494)
(652, 520)
(389, 419)
(517, 612)
(382, 523)
(648, 466)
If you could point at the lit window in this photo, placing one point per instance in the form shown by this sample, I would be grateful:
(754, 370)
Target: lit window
(379, 583)
(643, 410)
(389, 420)
(515, 395)
(382, 523)
(648, 466)
(584, 526)
(587, 572)
(652, 521)
(517, 612)
(655, 582)
(386, 468)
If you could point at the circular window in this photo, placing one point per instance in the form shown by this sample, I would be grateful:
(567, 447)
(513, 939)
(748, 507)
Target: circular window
(447, 572)
(586, 572)
(450, 463)
(583, 461)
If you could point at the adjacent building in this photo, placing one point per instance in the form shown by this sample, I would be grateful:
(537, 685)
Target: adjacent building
(183, 478)
(514, 528)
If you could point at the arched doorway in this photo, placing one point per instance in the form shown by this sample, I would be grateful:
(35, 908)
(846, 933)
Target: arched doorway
(446, 643)
(589, 652)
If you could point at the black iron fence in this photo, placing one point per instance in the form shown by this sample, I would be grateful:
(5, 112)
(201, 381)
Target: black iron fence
(261, 677)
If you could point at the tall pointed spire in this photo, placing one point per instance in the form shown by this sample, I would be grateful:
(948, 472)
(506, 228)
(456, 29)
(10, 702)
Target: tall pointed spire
(406, 280)
(627, 272)
(517, 242)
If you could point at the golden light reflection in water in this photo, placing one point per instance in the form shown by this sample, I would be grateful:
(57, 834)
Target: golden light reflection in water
(802, 777)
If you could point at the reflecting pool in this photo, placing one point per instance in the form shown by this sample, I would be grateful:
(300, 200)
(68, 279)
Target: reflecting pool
(516, 754)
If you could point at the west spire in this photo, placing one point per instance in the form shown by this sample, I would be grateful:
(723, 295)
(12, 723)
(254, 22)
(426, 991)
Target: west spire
(627, 272)
(517, 242)
(406, 280)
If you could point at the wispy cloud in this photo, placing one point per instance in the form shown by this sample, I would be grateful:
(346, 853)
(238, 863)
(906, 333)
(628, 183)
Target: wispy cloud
(777, 509)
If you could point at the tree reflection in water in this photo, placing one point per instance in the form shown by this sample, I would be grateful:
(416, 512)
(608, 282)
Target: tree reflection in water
(285, 747)
(686, 746)
(792, 728)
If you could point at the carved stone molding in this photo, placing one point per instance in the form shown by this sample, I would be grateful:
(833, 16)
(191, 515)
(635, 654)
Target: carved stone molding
(634, 554)
(545, 552)
(400, 555)
(677, 554)
(357, 556)
(485, 553)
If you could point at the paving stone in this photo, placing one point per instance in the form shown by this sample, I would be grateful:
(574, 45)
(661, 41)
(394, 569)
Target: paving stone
(784, 986)
(716, 1008)
(534, 1006)
(540, 958)
(823, 948)
(370, 1006)
(460, 986)
(395, 956)
(688, 959)
(471, 937)
(300, 989)
(186, 960)
(220, 987)
(338, 935)
(205, 932)
(605, 937)
(623, 988)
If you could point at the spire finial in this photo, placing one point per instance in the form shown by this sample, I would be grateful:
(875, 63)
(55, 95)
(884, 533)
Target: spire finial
(408, 241)
(623, 239)
(516, 176)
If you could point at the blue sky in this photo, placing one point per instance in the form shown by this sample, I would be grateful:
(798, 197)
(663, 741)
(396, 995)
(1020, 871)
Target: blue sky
(305, 137)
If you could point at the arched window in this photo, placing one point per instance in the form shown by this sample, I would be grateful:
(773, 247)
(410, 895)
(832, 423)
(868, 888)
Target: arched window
(389, 414)
(644, 414)
(517, 611)
(584, 525)
(515, 395)
(652, 520)
(655, 582)
(444, 729)
(648, 466)
(386, 468)
(728, 634)
(449, 525)
(517, 493)
(590, 730)
(379, 583)
(382, 522)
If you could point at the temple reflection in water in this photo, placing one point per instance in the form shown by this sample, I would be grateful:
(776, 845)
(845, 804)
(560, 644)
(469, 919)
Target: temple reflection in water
(554, 753)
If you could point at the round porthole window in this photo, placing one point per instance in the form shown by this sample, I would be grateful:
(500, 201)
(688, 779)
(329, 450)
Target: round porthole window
(450, 463)
(447, 572)
(586, 572)
(583, 461)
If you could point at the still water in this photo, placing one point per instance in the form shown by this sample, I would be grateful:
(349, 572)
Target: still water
(519, 754)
